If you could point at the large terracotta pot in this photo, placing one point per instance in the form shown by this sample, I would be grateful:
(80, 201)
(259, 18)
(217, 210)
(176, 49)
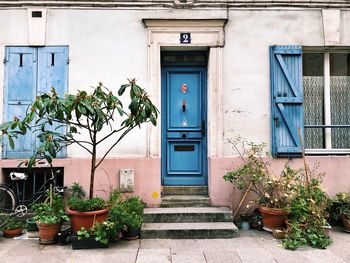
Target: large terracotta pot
(48, 233)
(13, 232)
(85, 219)
(346, 223)
(273, 218)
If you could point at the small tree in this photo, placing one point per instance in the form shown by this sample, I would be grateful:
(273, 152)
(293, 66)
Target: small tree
(81, 112)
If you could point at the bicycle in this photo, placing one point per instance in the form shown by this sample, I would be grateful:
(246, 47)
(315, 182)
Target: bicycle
(12, 205)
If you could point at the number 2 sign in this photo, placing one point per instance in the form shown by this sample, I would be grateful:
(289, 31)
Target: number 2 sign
(185, 38)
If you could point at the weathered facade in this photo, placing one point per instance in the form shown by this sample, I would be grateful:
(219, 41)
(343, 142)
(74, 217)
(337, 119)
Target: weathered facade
(244, 86)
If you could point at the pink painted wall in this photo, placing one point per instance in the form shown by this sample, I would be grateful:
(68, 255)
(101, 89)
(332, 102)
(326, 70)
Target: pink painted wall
(146, 172)
(148, 175)
(337, 178)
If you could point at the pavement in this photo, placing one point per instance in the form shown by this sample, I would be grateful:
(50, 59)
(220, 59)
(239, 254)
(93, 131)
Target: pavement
(250, 246)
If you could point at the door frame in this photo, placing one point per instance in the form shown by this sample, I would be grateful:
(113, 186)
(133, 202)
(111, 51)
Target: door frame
(203, 66)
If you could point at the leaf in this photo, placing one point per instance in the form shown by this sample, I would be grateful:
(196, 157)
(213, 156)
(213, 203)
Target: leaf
(82, 109)
(153, 120)
(12, 144)
(122, 89)
(14, 125)
(90, 109)
(5, 125)
(31, 161)
(134, 105)
(120, 110)
(48, 158)
(52, 150)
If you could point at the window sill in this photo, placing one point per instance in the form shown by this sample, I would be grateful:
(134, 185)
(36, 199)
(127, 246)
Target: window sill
(327, 151)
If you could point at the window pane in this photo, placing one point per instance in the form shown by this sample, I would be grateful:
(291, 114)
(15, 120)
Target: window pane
(340, 98)
(313, 64)
(313, 99)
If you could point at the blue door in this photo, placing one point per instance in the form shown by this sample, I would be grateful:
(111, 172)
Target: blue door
(184, 113)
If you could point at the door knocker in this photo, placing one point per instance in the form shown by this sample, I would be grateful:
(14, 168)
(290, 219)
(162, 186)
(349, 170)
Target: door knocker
(184, 88)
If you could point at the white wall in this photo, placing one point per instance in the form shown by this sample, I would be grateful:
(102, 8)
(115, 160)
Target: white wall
(111, 45)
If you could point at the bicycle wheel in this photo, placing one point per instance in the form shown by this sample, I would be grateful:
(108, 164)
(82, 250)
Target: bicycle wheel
(7, 200)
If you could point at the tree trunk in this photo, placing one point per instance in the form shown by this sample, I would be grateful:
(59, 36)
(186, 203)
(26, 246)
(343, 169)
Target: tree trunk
(93, 168)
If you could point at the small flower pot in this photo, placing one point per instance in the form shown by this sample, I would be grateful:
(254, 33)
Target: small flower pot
(346, 223)
(131, 234)
(31, 225)
(273, 218)
(12, 233)
(48, 233)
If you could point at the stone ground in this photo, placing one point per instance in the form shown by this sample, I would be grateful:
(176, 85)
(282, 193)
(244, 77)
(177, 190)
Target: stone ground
(251, 246)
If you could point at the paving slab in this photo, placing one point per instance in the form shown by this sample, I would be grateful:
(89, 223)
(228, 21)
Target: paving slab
(153, 256)
(196, 258)
(222, 256)
(252, 246)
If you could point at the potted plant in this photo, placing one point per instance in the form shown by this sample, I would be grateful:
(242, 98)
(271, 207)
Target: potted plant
(341, 209)
(307, 222)
(84, 212)
(273, 193)
(10, 226)
(49, 216)
(93, 114)
(128, 215)
(97, 236)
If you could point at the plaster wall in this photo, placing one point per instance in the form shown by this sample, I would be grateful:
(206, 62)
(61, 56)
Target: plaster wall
(112, 45)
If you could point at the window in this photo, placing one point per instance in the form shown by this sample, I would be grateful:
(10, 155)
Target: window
(326, 81)
(28, 72)
(310, 101)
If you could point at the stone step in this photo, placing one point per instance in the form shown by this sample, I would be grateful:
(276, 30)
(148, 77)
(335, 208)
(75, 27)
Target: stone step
(185, 190)
(187, 215)
(185, 201)
(189, 230)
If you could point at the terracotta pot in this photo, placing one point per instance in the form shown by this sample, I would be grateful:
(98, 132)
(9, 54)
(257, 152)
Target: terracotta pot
(273, 218)
(85, 219)
(13, 232)
(346, 223)
(301, 226)
(48, 233)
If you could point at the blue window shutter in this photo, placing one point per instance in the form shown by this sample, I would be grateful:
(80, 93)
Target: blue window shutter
(19, 92)
(53, 72)
(287, 100)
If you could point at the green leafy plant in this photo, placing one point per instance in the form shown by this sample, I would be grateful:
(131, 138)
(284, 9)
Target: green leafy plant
(102, 232)
(51, 211)
(308, 213)
(77, 190)
(82, 113)
(85, 205)
(11, 223)
(340, 205)
(128, 214)
(254, 175)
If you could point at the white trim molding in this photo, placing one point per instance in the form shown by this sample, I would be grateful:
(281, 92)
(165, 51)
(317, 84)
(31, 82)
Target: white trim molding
(205, 33)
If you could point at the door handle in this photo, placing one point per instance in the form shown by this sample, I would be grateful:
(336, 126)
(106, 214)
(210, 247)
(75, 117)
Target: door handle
(203, 128)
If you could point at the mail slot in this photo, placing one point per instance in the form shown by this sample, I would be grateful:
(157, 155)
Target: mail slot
(184, 148)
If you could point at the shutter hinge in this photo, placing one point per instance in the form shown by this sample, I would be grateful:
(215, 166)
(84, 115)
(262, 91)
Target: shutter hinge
(5, 61)
(68, 60)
